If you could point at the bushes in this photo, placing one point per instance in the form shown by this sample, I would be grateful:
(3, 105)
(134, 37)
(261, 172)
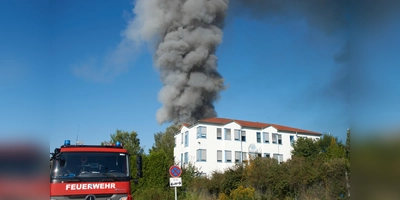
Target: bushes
(242, 193)
(154, 193)
(317, 171)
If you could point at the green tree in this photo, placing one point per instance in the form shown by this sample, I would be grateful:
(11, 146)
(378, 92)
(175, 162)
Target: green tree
(155, 171)
(304, 174)
(164, 141)
(257, 173)
(305, 147)
(334, 176)
(325, 141)
(348, 163)
(130, 141)
(232, 178)
(335, 150)
(278, 178)
(348, 145)
(214, 186)
(156, 167)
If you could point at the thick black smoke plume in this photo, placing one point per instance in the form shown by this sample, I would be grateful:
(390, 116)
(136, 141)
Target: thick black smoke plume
(187, 34)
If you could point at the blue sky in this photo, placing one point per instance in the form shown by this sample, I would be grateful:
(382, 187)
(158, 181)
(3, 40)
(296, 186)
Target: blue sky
(279, 72)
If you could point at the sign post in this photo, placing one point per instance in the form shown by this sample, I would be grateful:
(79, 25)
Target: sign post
(176, 180)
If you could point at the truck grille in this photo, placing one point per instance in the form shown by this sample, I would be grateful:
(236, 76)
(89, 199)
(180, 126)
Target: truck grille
(83, 196)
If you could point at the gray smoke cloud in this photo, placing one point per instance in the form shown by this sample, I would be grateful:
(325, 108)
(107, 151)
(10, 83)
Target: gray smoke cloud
(186, 34)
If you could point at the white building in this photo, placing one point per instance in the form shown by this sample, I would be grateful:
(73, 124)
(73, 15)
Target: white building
(218, 143)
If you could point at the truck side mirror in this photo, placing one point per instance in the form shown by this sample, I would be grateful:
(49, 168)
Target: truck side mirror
(139, 166)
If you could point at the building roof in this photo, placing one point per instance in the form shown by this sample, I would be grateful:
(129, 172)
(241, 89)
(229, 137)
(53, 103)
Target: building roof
(249, 124)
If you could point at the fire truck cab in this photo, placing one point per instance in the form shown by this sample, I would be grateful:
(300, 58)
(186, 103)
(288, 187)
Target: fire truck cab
(88, 172)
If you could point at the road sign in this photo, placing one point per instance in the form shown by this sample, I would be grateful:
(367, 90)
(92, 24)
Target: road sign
(175, 171)
(175, 182)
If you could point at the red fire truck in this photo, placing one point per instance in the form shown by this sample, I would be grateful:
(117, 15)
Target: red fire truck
(90, 172)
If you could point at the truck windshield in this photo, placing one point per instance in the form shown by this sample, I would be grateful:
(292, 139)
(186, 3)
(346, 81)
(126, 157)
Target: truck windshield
(90, 166)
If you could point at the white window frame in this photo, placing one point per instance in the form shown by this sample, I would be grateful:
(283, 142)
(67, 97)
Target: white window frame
(201, 132)
(186, 138)
(236, 134)
(228, 133)
(219, 132)
(274, 138)
(244, 156)
(278, 157)
(182, 161)
(258, 137)
(238, 156)
(243, 134)
(292, 139)
(279, 138)
(228, 156)
(182, 138)
(253, 155)
(219, 155)
(265, 137)
(201, 155)
(186, 161)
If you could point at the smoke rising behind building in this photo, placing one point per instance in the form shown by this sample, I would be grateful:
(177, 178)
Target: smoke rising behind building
(187, 33)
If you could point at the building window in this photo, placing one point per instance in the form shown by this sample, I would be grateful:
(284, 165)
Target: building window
(267, 155)
(244, 136)
(219, 134)
(181, 138)
(278, 157)
(181, 159)
(291, 140)
(186, 158)
(186, 138)
(258, 137)
(244, 156)
(201, 155)
(276, 138)
(279, 139)
(266, 137)
(236, 134)
(253, 155)
(237, 157)
(201, 132)
(227, 134)
(219, 156)
(228, 156)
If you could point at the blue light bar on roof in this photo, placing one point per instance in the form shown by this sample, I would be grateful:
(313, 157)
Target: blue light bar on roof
(67, 142)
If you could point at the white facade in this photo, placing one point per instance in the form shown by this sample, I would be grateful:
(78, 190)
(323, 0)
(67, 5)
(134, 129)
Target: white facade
(217, 144)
